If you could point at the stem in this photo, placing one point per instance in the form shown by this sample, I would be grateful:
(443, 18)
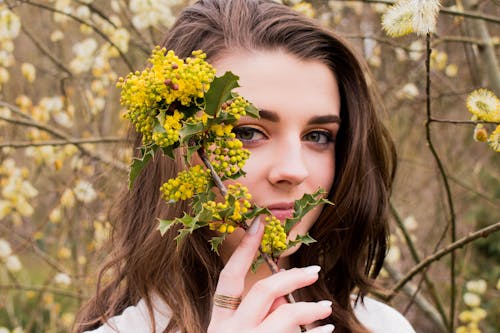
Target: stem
(220, 185)
(445, 182)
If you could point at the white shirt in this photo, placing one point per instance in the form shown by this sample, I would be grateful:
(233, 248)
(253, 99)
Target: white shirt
(374, 315)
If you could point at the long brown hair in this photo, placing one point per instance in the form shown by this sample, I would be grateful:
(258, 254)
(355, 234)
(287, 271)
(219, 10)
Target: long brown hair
(352, 235)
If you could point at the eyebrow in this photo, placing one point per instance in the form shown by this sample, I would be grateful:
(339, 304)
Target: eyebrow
(274, 117)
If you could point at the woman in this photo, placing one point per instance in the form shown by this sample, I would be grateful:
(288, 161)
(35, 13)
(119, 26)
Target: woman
(318, 128)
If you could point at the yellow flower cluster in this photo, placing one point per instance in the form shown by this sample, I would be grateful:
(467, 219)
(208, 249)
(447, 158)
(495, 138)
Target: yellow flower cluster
(186, 184)
(236, 107)
(169, 79)
(485, 106)
(171, 125)
(228, 214)
(274, 239)
(229, 156)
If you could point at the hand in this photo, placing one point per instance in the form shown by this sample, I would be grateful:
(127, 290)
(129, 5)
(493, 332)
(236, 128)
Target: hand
(263, 309)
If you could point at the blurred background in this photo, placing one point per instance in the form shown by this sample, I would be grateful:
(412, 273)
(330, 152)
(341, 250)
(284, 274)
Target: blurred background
(63, 155)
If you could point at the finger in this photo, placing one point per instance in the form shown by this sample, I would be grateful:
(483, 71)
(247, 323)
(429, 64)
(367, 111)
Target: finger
(322, 329)
(232, 277)
(258, 301)
(289, 316)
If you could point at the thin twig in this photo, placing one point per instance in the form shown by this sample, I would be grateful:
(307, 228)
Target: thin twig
(30, 123)
(413, 251)
(462, 122)
(484, 232)
(79, 20)
(45, 51)
(42, 289)
(447, 11)
(220, 185)
(411, 290)
(444, 177)
(25, 144)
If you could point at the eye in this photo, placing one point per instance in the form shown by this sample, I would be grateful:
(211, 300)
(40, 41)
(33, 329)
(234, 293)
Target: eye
(249, 134)
(321, 137)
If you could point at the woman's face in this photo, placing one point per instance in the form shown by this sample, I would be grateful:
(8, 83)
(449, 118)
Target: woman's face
(292, 145)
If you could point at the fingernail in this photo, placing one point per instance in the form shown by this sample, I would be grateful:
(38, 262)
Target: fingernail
(327, 304)
(327, 328)
(312, 269)
(254, 226)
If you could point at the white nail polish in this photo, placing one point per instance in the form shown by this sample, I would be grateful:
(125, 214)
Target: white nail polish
(327, 304)
(312, 269)
(327, 328)
(254, 226)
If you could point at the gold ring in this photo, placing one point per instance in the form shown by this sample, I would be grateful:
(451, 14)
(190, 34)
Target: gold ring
(227, 302)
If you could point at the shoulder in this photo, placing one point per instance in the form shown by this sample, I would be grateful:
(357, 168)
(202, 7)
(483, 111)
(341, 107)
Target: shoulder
(381, 318)
(136, 319)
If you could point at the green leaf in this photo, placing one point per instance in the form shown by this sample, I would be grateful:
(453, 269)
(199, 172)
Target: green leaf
(220, 92)
(304, 205)
(190, 130)
(252, 111)
(301, 239)
(139, 163)
(190, 151)
(169, 151)
(256, 263)
(165, 225)
(216, 241)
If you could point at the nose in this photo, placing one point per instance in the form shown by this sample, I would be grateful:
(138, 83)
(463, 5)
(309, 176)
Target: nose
(288, 165)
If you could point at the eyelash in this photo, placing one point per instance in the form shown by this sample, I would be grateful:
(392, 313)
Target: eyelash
(238, 131)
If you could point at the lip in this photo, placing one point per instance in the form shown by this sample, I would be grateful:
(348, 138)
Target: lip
(282, 210)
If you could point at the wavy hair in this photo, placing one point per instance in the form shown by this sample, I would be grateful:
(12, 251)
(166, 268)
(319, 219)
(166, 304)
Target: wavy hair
(352, 235)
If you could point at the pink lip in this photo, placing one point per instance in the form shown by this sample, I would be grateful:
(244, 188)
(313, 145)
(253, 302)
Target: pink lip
(282, 211)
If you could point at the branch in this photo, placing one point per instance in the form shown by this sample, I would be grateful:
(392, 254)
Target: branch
(461, 122)
(484, 232)
(118, 165)
(56, 291)
(45, 51)
(79, 20)
(413, 251)
(412, 291)
(442, 172)
(447, 11)
(220, 185)
(26, 144)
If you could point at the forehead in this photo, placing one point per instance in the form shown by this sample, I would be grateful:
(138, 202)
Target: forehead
(277, 81)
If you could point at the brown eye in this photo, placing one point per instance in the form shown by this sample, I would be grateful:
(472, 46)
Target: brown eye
(245, 133)
(321, 137)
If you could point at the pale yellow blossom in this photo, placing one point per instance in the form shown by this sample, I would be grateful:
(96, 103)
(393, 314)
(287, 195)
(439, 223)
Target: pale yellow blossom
(13, 263)
(451, 70)
(471, 299)
(28, 71)
(5, 249)
(62, 279)
(10, 24)
(67, 199)
(84, 191)
(56, 36)
(476, 286)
